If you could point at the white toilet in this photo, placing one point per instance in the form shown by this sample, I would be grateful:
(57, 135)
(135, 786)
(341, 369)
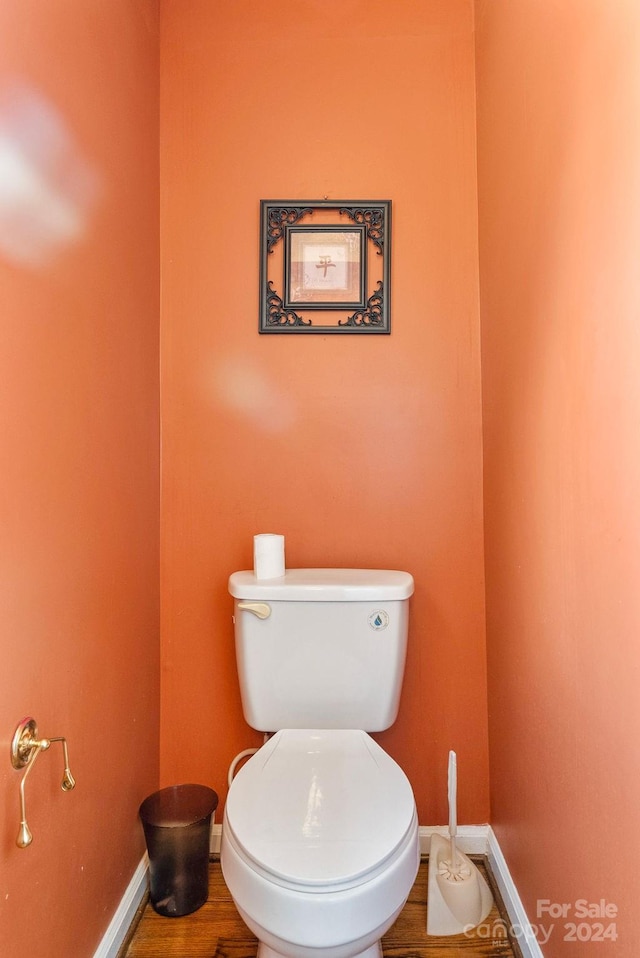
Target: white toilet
(320, 834)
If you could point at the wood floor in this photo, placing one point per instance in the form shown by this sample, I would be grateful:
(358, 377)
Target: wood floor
(217, 931)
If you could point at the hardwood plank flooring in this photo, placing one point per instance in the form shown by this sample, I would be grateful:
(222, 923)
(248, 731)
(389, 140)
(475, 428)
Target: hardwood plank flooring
(217, 931)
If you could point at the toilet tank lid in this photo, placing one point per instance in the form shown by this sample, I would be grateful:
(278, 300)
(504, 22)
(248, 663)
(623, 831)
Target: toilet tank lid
(324, 585)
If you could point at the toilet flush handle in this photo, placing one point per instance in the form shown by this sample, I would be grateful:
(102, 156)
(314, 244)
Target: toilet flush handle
(261, 609)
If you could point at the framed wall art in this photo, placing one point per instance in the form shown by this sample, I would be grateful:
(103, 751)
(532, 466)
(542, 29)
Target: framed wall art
(325, 266)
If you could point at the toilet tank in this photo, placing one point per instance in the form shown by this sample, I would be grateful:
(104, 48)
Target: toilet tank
(321, 648)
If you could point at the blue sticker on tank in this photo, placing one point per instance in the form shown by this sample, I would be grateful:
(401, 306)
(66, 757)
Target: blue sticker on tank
(379, 620)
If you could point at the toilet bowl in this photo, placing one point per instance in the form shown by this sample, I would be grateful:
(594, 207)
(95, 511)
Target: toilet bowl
(320, 844)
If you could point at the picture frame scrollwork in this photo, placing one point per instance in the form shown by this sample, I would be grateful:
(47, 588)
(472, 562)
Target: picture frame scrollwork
(325, 266)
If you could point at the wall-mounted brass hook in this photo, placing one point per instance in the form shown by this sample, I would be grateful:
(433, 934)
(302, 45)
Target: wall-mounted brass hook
(25, 748)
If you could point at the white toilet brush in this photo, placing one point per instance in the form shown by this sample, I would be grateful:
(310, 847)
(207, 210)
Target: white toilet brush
(458, 897)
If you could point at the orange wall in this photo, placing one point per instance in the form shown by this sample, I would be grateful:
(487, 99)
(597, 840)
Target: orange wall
(79, 457)
(363, 452)
(559, 154)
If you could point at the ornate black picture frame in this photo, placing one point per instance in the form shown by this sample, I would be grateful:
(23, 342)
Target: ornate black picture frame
(325, 266)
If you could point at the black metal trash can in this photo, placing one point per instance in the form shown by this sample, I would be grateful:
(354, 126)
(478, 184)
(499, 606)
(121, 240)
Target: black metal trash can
(177, 828)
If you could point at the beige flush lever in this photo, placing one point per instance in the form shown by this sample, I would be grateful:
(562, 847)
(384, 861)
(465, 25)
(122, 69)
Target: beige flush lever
(261, 609)
(25, 748)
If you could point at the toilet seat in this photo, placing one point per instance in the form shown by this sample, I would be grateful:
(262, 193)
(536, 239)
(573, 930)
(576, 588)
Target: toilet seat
(315, 810)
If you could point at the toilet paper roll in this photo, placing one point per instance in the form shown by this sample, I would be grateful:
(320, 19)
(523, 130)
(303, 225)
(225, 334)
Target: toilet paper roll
(268, 556)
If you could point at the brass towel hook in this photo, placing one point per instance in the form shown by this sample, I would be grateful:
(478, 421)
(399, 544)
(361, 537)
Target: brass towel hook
(25, 748)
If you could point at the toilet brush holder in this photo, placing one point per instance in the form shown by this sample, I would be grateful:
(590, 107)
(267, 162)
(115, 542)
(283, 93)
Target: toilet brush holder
(456, 900)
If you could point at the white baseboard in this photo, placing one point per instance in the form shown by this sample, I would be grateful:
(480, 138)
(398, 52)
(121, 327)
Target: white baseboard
(125, 912)
(520, 925)
(216, 839)
(471, 839)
